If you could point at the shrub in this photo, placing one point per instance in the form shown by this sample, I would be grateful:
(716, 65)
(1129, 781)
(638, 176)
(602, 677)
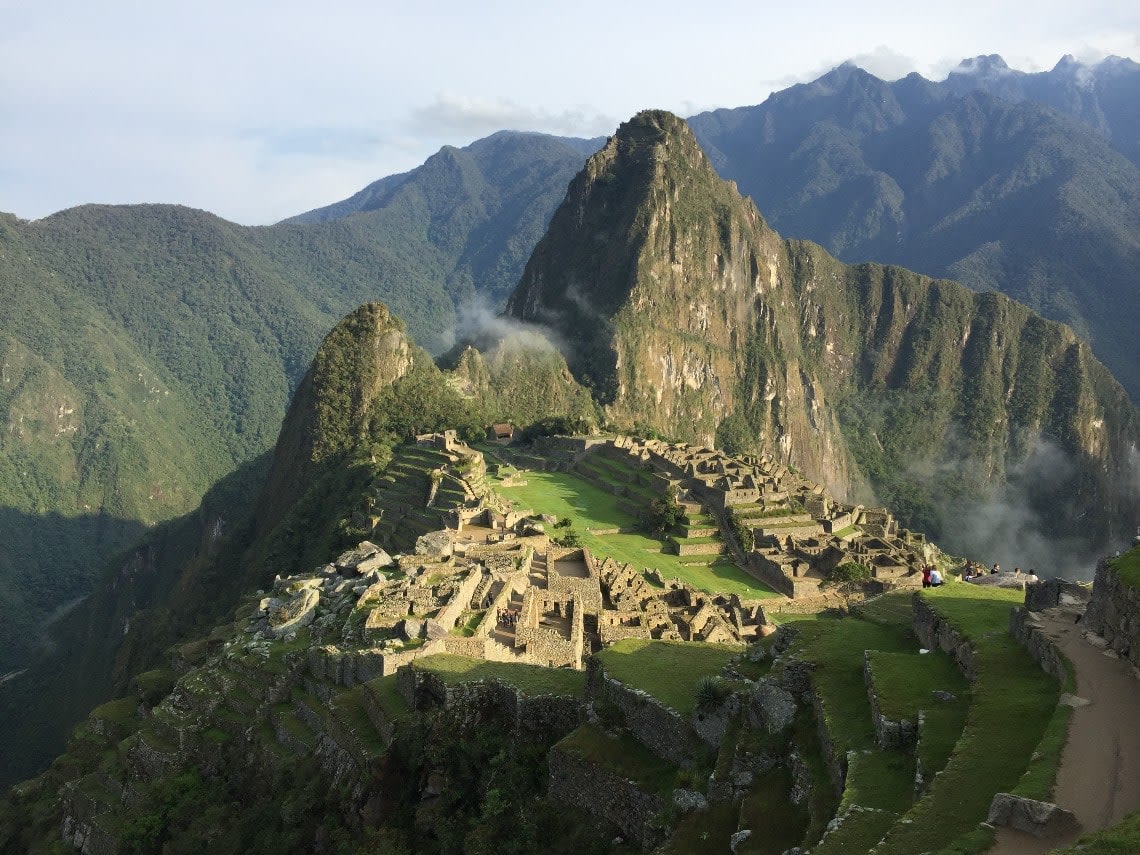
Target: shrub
(850, 571)
(711, 692)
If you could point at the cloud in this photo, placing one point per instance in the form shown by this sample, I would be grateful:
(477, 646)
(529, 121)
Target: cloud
(884, 63)
(477, 324)
(1007, 524)
(472, 115)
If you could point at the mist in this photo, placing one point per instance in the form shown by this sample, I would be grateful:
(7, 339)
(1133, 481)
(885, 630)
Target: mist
(1007, 524)
(481, 327)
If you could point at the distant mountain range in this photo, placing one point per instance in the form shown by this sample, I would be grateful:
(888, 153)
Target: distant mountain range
(149, 350)
(1026, 184)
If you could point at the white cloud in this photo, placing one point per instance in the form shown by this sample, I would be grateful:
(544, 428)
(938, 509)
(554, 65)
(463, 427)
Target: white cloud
(467, 115)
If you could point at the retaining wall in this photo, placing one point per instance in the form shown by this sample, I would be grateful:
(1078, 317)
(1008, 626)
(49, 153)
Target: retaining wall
(937, 633)
(659, 728)
(600, 791)
(1114, 612)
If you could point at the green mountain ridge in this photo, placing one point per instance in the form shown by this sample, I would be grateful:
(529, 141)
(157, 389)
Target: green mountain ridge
(952, 181)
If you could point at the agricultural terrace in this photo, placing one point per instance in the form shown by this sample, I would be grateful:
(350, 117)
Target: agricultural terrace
(565, 495)
(667, 670)
(1003, 733)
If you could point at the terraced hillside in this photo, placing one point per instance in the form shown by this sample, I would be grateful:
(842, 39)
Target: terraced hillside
(602, 522)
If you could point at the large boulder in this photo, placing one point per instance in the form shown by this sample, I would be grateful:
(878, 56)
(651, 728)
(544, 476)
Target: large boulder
(771, 706)
(366, 557)
(435, 543)
(1041, 819)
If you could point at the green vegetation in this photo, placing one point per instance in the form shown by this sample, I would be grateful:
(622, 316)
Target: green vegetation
(850, 571)
(1010, 688)
(1127, 567)
(906, 683)
(1121, 839)
(528, 679)
(567, 496)
(670, 671)
(623, 755)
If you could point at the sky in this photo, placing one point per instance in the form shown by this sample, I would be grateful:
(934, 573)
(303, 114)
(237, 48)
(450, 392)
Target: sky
(260, 110)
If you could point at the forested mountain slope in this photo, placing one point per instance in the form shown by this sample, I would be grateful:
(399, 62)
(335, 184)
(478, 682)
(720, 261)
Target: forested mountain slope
(953, 180)
(149, 350)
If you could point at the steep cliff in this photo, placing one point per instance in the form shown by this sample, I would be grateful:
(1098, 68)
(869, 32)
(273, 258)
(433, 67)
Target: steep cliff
(677, 310)
(687, 314)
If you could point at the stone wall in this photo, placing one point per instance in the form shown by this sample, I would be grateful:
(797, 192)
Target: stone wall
(1024, 627)
(602, 792)
(902, 734)
(546, 646)
(81, 825)
(349, 667)
(937, 633)
(659, 728)
(461, 600)
(475, 646)
(1114, 613)
(836, 762)
(589, 588)
(540, 718)
(1055, 592)
(771, 575)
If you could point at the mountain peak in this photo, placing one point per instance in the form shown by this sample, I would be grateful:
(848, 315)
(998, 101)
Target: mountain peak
(987, 66)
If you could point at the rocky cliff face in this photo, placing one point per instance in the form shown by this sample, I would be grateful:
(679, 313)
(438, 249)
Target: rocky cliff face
(677, 303)
(686, 314)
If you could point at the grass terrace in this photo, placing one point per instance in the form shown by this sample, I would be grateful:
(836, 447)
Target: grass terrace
(1012, 706)
(1127, 567)
(906, 683)
(528, 679)
(667, 670)
(623, 755)
(567, 495)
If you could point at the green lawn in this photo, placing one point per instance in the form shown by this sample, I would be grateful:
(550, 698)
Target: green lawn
(564, 494)
(388, 697)
(528, 679)
(667, 670)
(879, 780)
(1127, 567)
(906, 682)
(1012, 707)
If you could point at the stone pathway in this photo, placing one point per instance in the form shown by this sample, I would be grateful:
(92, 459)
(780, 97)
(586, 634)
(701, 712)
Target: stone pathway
(1099, 776)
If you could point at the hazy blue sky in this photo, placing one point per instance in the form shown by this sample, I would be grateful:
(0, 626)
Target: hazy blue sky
(259, 110)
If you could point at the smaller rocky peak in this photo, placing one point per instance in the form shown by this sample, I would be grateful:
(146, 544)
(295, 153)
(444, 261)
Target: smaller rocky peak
(366, 352)
(983, 67)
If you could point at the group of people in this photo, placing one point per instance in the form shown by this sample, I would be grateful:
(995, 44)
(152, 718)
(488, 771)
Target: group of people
(976, 571)
(508, 617)
(931, 577)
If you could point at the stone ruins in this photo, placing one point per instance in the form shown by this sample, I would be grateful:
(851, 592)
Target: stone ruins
(493, 585)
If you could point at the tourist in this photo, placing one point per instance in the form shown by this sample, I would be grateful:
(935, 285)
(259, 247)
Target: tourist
(935, 578)
(996, 570)
(926, 575)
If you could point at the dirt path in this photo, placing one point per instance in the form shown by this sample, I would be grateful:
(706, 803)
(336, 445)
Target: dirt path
(1099, 776)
